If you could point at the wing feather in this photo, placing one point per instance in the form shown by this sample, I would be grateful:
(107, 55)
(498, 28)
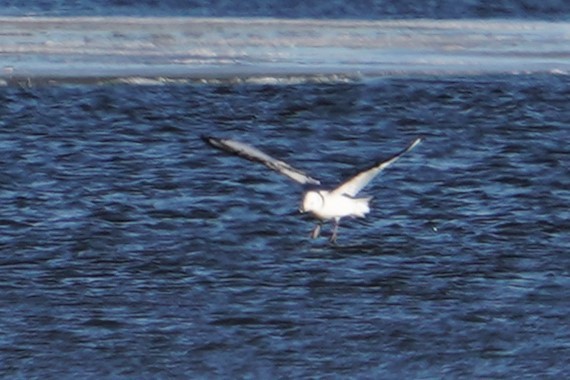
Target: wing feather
(251, 153)
(353, 185)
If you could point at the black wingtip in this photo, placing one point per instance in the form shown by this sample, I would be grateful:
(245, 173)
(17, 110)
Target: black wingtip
(210, 140)
(206, 139)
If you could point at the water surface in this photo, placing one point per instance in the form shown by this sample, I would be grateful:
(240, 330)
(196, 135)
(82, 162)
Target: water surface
(131, 249)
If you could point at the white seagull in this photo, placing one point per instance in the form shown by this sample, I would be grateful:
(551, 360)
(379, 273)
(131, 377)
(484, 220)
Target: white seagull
(323, 204)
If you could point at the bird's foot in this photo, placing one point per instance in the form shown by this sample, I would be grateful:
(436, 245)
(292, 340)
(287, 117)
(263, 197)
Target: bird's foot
(316, 231)
(332, 239)
(335, 232)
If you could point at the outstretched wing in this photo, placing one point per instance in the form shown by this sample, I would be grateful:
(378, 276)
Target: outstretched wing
(253, 154)
(352, 186)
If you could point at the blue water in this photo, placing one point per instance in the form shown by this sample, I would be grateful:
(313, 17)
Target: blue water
(130, 249)
(371, 9)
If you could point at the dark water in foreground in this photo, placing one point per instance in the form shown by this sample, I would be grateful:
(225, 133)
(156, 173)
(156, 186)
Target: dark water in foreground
(130, 249)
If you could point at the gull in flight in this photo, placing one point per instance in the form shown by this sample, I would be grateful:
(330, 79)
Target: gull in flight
(323, 204)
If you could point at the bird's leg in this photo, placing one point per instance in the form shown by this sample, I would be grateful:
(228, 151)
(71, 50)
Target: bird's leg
(335, 229)
(316, 231)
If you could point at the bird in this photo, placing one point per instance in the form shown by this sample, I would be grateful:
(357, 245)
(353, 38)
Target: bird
(324, 204)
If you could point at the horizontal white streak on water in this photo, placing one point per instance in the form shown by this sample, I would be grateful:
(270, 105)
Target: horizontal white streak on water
(195, 48)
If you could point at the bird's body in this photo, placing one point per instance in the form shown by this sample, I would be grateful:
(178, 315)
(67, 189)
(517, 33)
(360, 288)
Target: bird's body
(323, 204)
(326, 205)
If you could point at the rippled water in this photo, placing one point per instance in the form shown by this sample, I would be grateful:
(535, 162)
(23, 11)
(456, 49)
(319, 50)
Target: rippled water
(131, 249)
(370, 9)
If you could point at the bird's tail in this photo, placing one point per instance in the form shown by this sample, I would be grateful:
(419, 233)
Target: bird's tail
(362, 206)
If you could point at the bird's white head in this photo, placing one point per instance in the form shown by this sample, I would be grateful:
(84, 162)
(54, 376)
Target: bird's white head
(312, 201)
